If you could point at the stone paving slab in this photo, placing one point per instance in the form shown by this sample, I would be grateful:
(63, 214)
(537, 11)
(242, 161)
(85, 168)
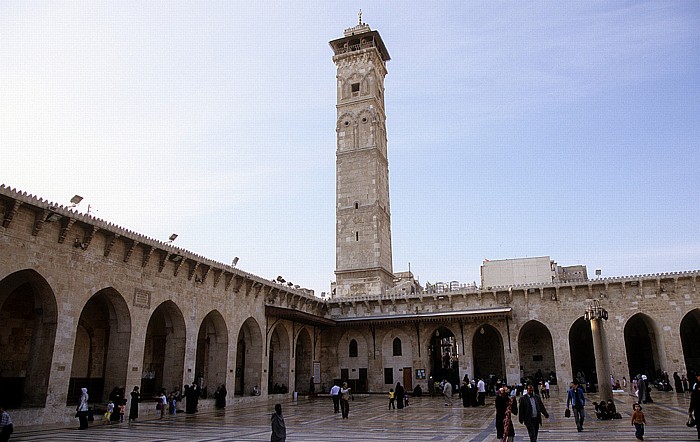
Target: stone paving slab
(426, 419)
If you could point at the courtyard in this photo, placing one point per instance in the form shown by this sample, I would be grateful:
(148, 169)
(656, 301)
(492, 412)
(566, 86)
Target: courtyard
(426, 419)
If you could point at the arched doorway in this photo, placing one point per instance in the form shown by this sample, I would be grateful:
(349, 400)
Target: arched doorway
(581, 351)
(212, 352)
(278, 360)
(487, 348)
(28, 319)
(101, 349)
(248, 358)
(536, 352)
(641, 346)
(164, 350)
(690, 340)
(444, 356)
(303, 358)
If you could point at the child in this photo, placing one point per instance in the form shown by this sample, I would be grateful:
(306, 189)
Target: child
(391, 399)
(122, 410)
(638, 421)
(107, 417)
(405, 400)
(173, 403)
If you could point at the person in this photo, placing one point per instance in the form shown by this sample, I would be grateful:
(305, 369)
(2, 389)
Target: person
(624, 383)
(279, 430)
(576, 399)
(255, 391)
(312, 386)
(418, 391)
(122, 411)
(405, 399)
(106, 419)
(677, 382)
(6, 428)
(694, 409)
(464, 394)
(135, 399)
(638, 421)
(546, 389)
(335, 395)
(612, 410)
(172, 403)
(447, 392)
(220, 396)
(192, 398)
(162, 403)
(481, 387)
(530, 411)
(506, 406)
(82, 409)
(398, 394)
(391, 399)
(344, 400)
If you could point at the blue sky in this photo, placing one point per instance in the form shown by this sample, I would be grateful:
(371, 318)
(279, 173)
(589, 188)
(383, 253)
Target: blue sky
(515, 129)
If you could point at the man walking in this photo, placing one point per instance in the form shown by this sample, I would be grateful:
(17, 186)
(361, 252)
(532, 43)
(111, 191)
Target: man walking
(335, 394)
(577, 400)
(530, 409)
(447, 391)
(481, 386)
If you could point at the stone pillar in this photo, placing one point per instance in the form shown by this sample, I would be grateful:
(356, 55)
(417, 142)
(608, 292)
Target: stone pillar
(602, 361)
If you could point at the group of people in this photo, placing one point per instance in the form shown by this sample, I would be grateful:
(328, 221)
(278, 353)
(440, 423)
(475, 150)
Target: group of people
(341, 399)
(529, 409)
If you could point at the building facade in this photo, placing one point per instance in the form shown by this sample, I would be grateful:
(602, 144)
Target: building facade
(85, 303)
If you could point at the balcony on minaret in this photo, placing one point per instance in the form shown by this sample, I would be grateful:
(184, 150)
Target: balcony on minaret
(359, 38)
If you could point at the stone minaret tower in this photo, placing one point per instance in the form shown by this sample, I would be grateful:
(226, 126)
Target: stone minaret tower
(363, 217)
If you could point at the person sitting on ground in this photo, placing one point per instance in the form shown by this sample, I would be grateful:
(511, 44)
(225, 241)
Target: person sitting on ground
(612, 410)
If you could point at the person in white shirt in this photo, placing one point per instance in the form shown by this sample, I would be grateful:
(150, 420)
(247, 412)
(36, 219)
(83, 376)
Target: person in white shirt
(335, 395)
(481, 387)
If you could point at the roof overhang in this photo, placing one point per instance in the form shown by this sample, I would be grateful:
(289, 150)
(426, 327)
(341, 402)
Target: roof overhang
(463, 315)
(298, 316)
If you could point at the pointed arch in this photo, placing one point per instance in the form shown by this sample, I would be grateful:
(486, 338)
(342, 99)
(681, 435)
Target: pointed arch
(164, 350)
(303, 361)
(249, 352)
(212, 351)
(279, 358)
(536, 351)
(581, 351)
(690, 339)
(29, 317)
(102, 343)
(487, 347)
(641, 345)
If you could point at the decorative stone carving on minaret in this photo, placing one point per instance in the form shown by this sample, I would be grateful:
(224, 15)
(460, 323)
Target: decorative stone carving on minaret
(363, 215)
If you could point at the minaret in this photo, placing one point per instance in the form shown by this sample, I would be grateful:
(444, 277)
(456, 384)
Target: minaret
(363, 217)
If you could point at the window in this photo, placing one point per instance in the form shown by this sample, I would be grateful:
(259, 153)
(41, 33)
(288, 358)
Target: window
(355, 88)
(388, 375)
(357, 205)
(397, 347)
(357, 236)
(353, 349)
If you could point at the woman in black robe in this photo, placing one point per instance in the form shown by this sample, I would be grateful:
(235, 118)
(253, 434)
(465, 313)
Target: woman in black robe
(505, 406)
(135, 399)
(398, 393)
(192, 397)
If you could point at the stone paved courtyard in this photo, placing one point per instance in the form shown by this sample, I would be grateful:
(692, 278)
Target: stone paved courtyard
(427, 419)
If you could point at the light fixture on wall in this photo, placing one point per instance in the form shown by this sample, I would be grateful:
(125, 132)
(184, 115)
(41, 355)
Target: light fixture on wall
(482, 331)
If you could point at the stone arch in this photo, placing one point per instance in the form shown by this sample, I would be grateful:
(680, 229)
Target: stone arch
(248, 357)
(641, 346)
(164, 350)
(536, 351)
(443, 351)
(581, 351)
(487, 350)
(690, 340)
(279, 358)
(351, 367)
(101, 349)
(400, 363)
(303, 361)
(212, 351)
(28, 318)
(345, 128)
(365, 132)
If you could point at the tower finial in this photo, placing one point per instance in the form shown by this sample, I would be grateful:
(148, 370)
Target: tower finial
(359, 17)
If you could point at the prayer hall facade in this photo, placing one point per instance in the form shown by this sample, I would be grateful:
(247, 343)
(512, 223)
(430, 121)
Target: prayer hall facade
(86, 303)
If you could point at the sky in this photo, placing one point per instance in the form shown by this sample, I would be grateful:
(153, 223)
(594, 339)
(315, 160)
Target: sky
(515, 129)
